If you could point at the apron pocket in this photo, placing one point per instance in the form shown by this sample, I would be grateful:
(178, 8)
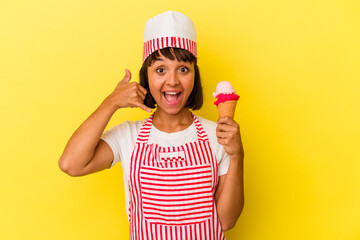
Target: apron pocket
(176, 196)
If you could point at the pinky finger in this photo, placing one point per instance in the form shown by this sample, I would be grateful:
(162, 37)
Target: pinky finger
(145, 108)
(220, 141)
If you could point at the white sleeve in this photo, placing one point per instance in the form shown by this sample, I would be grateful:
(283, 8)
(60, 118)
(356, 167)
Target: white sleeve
(121, 139)
(111, 137)
(224, 163)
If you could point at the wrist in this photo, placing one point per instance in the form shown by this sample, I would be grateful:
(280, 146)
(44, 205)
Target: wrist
(108, 106)
(237, 157)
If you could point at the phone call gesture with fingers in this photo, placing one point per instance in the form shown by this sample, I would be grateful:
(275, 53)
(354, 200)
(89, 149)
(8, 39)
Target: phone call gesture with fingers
(128, 94)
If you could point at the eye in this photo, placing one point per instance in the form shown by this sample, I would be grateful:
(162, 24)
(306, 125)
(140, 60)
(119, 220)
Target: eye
(160, 70)
(184, 69)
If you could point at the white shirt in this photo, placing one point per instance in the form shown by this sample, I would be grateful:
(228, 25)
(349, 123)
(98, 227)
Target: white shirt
(122, 138)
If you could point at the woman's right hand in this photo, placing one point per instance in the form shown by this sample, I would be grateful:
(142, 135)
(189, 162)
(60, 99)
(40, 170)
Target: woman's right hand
(128, 94)
(85, 152)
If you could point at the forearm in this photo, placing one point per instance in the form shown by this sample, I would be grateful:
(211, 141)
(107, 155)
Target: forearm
(230, 200)
(81, 146)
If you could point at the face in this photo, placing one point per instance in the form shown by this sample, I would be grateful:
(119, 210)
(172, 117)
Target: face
(170, 83)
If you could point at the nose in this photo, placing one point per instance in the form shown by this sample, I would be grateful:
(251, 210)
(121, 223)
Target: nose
(172, 78)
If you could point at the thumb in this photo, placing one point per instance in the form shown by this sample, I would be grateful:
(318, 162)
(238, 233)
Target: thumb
(127, 76)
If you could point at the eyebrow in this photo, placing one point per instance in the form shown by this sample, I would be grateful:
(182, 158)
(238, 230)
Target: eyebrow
(159, 59)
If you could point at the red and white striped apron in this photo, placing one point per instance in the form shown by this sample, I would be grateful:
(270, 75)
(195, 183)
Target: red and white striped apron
(172, 189)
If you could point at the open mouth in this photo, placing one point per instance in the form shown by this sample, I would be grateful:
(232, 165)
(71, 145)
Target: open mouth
(172, 98)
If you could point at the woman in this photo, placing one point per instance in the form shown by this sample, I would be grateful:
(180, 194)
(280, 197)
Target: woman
(183, 174)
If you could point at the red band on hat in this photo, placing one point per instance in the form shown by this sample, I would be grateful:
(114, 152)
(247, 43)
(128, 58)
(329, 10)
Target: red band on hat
(163, 42)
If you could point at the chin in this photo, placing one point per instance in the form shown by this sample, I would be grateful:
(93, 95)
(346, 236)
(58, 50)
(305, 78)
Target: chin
(172, 111)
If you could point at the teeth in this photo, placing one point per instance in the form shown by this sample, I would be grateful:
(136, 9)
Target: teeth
(171, 93)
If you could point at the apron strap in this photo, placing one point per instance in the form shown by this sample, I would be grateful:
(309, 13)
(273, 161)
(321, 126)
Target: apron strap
(144, 133)
(199, 129)
(145, 130)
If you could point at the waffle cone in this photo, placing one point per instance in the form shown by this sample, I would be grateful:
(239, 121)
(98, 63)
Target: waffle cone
(227, 109)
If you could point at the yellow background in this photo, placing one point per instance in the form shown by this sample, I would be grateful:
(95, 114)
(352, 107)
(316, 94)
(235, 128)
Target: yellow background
(294, 63)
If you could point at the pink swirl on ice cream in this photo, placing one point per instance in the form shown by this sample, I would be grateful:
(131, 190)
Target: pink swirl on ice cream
(225, 92)
(226, 97)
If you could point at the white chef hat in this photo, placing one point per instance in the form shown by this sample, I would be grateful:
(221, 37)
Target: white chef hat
(169, 29)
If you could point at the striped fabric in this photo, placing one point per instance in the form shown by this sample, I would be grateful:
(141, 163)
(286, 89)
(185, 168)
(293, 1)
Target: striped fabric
(172, 189)
(163, 42)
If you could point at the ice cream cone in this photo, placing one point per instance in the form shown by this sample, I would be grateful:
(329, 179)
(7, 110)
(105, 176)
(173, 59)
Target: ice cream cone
(227, 109)
(226, 99)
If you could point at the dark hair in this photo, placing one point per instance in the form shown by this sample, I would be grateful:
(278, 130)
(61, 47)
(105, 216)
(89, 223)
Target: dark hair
(195, 100)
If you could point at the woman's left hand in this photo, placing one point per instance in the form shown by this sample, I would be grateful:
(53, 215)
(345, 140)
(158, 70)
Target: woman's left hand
(228, 135)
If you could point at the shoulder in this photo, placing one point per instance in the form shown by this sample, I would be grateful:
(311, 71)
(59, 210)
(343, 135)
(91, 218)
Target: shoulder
(219, 151)
(209, 126)
(125, 128)
(132, 126)
(210, 130)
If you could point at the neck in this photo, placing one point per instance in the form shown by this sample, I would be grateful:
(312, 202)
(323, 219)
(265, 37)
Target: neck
(172, 122)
